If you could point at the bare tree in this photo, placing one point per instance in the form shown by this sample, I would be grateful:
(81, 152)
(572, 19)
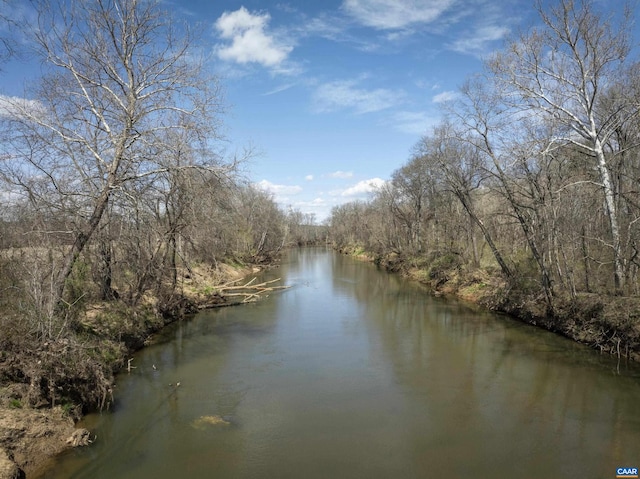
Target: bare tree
(121, 80)
(562, 71)
(8, 25)
(491, 127)
(414, 188)
(462, 168)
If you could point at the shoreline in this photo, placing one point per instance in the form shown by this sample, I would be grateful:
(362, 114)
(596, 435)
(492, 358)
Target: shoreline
(609, 324)
(31, 437)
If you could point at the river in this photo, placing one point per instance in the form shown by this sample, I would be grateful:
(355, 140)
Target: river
(356, 373)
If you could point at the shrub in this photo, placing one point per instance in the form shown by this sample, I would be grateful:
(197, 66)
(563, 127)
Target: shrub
(442, 267)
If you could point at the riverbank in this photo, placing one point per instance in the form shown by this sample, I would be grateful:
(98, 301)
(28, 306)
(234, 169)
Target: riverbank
(609, 324)
(109, 332)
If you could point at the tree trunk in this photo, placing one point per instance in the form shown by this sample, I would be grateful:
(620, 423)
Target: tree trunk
(106, 274)
(474, 243)
(612, 216)
(585, 259)
(504, 180)
(487, 236)
(81, 240)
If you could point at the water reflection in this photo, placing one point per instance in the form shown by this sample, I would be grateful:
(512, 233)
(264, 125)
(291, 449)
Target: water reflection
(356, 373)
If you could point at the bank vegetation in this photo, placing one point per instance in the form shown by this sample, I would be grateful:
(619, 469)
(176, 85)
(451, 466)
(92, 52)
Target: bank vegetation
(525, 197)
(122, 207)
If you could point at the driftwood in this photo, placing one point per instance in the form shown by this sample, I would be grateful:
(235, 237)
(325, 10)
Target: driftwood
(80, 437)
(230, 294)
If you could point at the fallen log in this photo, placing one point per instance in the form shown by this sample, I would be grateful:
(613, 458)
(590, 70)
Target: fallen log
(244, 293)
(80, 437)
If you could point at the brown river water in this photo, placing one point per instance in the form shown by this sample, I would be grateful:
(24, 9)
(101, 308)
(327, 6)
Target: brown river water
(356, 373)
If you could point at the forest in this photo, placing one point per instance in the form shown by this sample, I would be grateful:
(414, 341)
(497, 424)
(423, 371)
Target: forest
(525, 196)
(117, 189)
(123, 206)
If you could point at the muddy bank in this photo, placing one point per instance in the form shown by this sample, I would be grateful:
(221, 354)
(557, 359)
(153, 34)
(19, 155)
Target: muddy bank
(35, 423)
(30, 436)
(609, 324)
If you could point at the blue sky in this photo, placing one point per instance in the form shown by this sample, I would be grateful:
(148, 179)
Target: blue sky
(333, 94)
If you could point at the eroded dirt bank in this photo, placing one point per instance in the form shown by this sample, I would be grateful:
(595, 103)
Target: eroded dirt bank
(30, 435)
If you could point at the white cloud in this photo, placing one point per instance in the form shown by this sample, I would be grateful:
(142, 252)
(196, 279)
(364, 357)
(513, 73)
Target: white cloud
(478, 42)
(18, 106)
(319, 207)
(335, 28)
(445, 96)
(250, 43)
(363, 187)
(413, 122)
(279, 190)
(309, 177)
(341, 174)
(346, 94)
(396, 14)
(316, 202)
(331, 28)
(279, 89)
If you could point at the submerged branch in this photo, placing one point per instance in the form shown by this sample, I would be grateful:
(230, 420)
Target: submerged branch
(245, 293)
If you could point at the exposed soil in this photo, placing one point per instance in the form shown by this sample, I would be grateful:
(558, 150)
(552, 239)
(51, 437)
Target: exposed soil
(31, 436)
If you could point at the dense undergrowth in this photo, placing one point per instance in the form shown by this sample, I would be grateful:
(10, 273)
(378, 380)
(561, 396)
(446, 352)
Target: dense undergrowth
(75, 367)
